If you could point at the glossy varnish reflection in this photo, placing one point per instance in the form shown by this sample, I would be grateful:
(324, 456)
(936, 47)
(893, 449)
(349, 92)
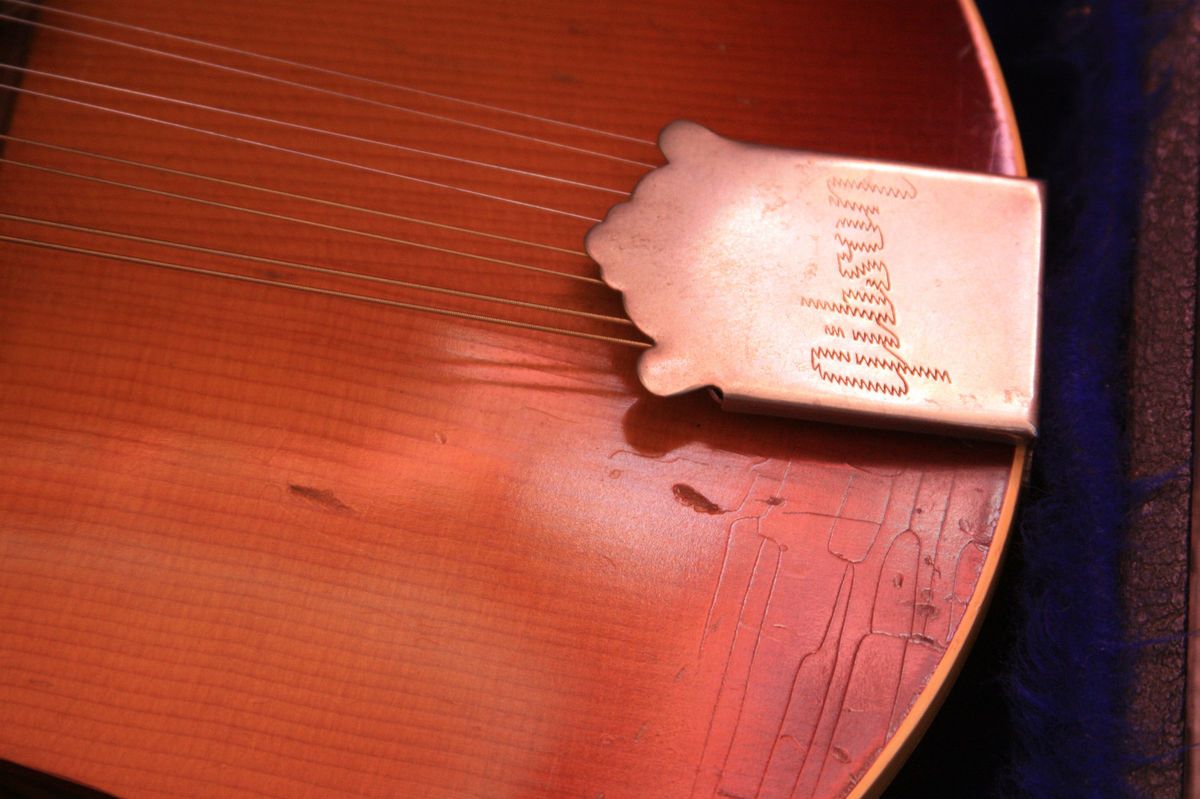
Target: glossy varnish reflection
(262, 543)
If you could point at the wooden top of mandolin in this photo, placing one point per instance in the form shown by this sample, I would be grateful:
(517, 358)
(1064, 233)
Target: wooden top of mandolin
(260, 542)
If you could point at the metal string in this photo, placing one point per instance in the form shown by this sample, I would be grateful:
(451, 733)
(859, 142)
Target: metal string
(333, 92)
(345, 136)
(313, 268)
(323, 292)
(300, 221)
(311, 129)
(300, 153)
(294, 196)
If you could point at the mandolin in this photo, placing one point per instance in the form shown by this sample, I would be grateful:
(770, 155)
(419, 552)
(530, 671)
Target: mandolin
(324, 466)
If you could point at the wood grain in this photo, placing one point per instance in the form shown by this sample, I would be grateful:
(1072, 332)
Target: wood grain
(261, 543)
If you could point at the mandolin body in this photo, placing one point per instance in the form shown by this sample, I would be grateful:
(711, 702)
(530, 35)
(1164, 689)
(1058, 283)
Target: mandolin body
(263, 542)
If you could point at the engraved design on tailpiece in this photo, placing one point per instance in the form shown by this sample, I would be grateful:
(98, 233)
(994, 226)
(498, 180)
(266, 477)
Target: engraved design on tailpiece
(832, 288)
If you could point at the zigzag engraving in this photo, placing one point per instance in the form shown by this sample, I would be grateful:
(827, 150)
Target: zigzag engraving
(861, 383)
(829, 352)
(900, 366)
(853, 245)
(849, 310)
(890, 340)
(866, 184)
(838, 201)
(929, 373)
(864, 266)
(858, 224)
(865, 296)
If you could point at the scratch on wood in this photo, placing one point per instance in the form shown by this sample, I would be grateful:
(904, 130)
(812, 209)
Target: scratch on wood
(928, 610)
(547, 413)
(320, 496)
(658, 458)
(686, 495)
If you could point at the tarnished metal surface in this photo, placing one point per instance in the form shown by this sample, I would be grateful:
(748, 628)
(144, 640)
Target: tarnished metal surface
(832, 288)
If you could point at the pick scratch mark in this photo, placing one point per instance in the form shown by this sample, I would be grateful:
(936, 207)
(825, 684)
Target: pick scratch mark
(320, 496)
(544, 412)
(659, 458)
(686, 495)
(834, 516)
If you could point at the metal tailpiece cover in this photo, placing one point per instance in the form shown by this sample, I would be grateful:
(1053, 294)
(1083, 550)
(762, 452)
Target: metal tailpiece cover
(830, 288)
